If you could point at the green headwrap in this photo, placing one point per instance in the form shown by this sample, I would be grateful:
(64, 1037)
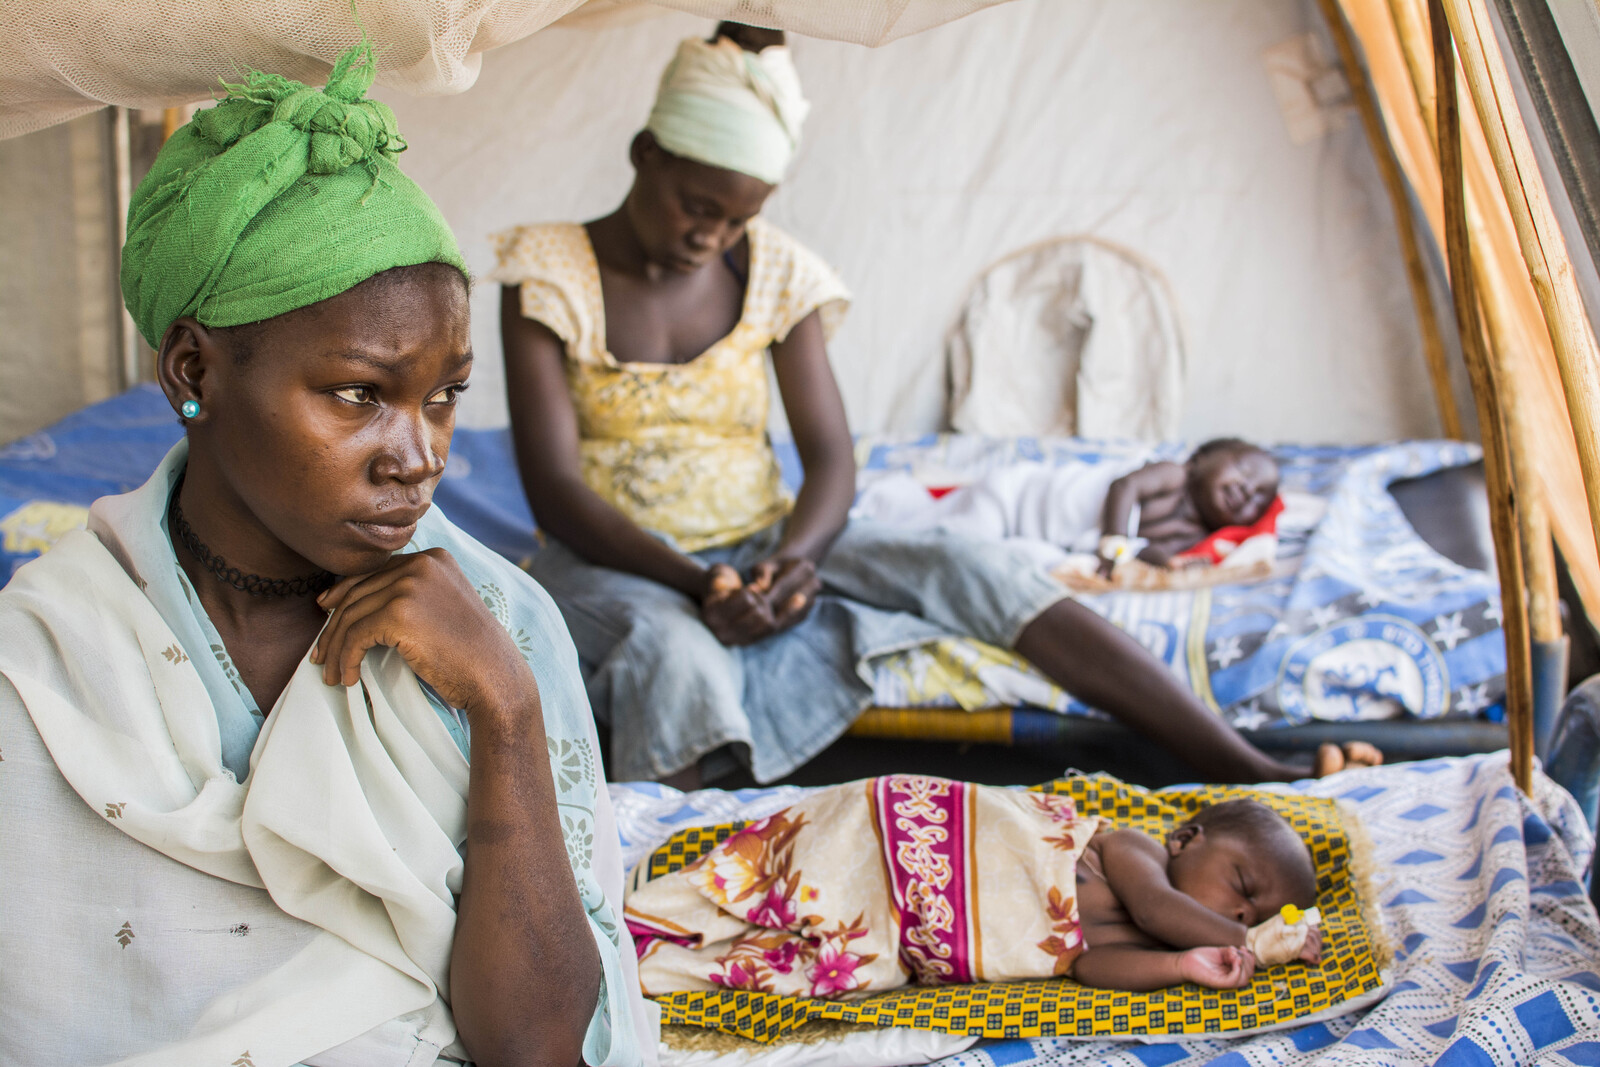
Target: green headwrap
(280, 196)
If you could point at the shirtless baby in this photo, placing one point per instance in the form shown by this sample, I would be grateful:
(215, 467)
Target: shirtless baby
(1155, 915)
(832, 897)
(1154, 512)
(1165, 508)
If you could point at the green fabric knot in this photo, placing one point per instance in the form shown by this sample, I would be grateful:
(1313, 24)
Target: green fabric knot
(345, 128)
(230, 227)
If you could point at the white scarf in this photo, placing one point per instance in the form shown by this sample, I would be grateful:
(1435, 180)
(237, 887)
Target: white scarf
(313, 904)
(725, 107)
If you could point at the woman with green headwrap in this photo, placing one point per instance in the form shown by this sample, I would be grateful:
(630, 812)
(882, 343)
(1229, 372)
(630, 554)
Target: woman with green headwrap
(719, 621)
(240, 822)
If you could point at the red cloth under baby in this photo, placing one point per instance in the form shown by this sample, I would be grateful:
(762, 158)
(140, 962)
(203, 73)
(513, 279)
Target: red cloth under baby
(1221, 542)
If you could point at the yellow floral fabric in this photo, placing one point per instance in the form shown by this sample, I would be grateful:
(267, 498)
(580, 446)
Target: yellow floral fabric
(968, 883)
(37, 525)
(679, 448)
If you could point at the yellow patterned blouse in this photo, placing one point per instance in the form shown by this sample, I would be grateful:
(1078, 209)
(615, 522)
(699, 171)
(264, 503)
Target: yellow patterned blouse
(679, 448)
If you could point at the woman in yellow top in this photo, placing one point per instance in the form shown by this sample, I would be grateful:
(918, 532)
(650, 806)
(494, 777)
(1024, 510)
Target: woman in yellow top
(717, 619)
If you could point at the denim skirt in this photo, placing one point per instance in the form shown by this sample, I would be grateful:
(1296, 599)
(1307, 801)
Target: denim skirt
(672, 694)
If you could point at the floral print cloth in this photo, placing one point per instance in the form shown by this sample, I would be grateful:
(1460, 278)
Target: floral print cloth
(865, 886)
(679, 448)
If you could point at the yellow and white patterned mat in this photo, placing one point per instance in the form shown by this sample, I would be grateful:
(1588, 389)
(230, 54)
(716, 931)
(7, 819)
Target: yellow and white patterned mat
(1353, 956)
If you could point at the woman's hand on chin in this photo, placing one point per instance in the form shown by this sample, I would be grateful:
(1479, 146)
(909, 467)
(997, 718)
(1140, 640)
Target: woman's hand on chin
(423, 606)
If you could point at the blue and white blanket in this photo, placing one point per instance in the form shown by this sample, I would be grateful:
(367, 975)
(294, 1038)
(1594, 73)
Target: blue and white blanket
(1497, 958)
(1364, 620)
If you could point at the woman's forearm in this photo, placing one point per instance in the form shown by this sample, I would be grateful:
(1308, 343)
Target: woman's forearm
(525, 972)
(575, 515)
(821, 436)
(821, 509)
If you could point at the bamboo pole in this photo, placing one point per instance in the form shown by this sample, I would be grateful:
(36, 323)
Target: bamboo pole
(1394, 183)
(171, 119)
(1537, 233)
(1497, 460)
(1505, 335)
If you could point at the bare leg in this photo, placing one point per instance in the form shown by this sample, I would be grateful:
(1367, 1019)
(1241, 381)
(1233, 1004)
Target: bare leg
(1101, 665)
(688, 779)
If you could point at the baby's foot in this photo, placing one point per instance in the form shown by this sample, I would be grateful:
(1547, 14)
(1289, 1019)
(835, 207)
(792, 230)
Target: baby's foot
(1332, 758)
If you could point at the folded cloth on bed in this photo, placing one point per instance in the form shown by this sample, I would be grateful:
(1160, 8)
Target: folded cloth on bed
(1354, 952)
(864, 886)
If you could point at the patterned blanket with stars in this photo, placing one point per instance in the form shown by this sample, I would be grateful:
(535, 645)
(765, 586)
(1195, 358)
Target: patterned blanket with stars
(1360, 618)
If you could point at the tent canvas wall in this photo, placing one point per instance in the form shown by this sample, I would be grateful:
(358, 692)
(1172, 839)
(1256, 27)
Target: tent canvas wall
(1161, 127)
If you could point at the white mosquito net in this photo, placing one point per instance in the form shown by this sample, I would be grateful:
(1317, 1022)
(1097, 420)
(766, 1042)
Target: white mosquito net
(60, 60)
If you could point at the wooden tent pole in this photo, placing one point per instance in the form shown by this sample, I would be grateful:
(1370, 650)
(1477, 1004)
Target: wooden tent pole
(1504, 336)
(1538, 234)
(1394, 183)
(1497, 460)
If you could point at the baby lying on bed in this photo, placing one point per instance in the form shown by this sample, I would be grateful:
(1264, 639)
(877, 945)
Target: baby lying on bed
(1164, 513)
(1155, 914)
(865, 886)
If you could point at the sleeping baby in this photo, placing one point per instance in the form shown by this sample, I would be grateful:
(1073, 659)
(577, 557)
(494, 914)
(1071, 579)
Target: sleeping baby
(1164, 513)
(870, 885)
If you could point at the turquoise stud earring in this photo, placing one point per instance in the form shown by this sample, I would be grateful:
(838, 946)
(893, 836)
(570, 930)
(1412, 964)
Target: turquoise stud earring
(189, 408)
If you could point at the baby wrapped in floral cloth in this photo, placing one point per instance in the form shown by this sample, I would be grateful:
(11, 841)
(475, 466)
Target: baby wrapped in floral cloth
(870, 885)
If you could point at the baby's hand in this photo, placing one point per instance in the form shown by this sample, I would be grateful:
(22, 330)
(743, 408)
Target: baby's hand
(1290, 935)
(1218, 966)
(1311, 951)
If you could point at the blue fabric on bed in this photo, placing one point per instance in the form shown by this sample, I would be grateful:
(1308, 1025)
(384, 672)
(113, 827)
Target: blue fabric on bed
(1364, 610)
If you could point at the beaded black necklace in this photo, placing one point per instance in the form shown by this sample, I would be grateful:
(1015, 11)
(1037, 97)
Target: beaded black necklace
(253, 584)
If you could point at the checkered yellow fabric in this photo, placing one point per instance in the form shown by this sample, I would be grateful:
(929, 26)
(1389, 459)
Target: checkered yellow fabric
(1060, 1007)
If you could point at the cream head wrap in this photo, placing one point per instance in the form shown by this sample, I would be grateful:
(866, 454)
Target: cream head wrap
(725, 107)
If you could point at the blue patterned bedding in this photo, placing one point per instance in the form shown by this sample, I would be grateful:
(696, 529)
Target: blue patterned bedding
(1497, 948)
(1362, 620)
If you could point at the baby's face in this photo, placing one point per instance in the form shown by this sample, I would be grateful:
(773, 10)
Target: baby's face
(1233, 488)
(1225, 874)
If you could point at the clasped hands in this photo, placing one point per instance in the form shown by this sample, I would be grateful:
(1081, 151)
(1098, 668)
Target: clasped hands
(778, 594)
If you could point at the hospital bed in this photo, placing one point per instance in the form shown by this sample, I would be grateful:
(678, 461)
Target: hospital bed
(1479, 890)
